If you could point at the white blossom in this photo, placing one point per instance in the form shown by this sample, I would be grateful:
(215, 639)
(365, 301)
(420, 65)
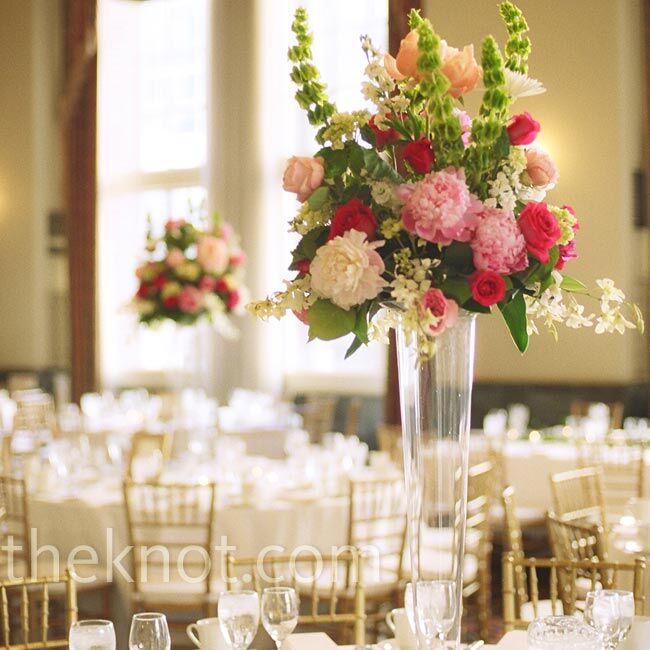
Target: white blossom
(520, 85)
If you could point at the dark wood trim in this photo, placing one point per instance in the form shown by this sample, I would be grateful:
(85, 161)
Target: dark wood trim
(398, 11)
(80, 178)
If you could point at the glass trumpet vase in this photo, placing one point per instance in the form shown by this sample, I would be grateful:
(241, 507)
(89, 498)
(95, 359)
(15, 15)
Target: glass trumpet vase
(435, 396)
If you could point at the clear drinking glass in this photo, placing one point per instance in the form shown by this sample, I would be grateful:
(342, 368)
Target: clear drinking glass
(239, 617)
(279, 612)
(92, 635)
(562, 633)
(603, 613)
(435, 612)
(149, 631)
(626, 605)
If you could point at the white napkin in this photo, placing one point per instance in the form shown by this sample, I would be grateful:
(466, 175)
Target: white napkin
(515, 640)
(639, 637)
(311, 641)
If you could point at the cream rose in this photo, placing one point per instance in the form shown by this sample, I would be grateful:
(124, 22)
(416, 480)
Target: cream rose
(302, 176)
(347, 270)
(460, 67)
(212, 254)
(540, 170)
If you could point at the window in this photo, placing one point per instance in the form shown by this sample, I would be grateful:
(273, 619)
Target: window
(152, 131)
(337, 26)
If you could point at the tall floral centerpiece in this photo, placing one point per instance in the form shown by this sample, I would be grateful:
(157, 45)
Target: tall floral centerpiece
(192, 280)
(418, 216)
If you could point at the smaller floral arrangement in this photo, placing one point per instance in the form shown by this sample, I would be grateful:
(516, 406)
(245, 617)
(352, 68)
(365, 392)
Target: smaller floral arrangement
(191, 273)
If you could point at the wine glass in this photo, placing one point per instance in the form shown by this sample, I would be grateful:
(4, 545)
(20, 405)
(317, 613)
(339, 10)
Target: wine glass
(603, 612)
(626, 605)
(88, 635)
(279, 612)
(149, 631)
(239, 616)
(435, 612)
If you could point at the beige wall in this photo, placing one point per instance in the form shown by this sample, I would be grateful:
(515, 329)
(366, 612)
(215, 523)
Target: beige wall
(588, 54)
(30, 164)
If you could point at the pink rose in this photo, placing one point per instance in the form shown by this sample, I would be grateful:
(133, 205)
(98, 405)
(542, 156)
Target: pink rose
(498, 244)
(540, 171)
(407, 57)
(540, 230)
(237, 257)
(445, 309)
(208, 283)
(460, 67)
(440, 208)
(523, 129)
(175, 258)
(233, 300)
(174, 224)
(212, 254)
(225, 231)
(190, 300)
(302, 176)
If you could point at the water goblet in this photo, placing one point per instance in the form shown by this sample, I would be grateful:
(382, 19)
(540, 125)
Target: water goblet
(92, 634)
(239, 617)
(279, 612)
(626, 605)
(149, 631)
(603, 613)
(432, 609)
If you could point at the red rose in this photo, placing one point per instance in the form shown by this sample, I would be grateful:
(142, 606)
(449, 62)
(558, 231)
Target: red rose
(303, 267)
(222, 286)
(159, 282)
(540, 230)
(353, 215)
(382, 136)
(207, 283)
(171, 302)
(419, 155)
(143, 290)
(487, 287)
(301, 316)
(523, 129)
(233, 299)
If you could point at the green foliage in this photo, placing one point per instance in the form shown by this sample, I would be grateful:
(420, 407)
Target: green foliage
(446, 129)
(328, 322)
(514, 314)
(518, 44)
(311, 95)
(309, 244)
(572, 285)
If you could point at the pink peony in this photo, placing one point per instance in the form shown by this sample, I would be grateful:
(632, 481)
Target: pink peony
(460, 67)
(498, 244)
(175, 258)
(440, 207)
(302, 176)
(465, 124)
(212, 254)
(208, 283)
(191, 300)
(445, 309)
(540, 170)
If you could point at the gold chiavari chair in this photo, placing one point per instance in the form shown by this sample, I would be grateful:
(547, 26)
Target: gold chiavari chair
(16, 530)
(353, 417)
(150, 453)
(622, 468)
(163, 522)
(332, 585)
(389, 439)
(580, 408)
(563, 592)
(36, 596)
(34, 412)
(578, 496)
(514, 543)
(377, 526)
(318, 416)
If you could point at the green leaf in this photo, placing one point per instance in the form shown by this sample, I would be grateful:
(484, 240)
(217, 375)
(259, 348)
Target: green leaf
(356, 157)
(377, 168)
(354, 346)
(459, 256)
(309, 244)
(514, 313)
(328, 322)
(573, 285)
(361, 324)
(318, 198)
(472, 305)
(458, 289)
(336, 161)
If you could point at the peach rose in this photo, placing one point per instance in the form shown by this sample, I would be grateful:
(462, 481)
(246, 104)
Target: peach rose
(391, 67)
(175, 258)
(302, 176)
(212, 254)
(406, 61)
(460, 67)
(540, 170)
